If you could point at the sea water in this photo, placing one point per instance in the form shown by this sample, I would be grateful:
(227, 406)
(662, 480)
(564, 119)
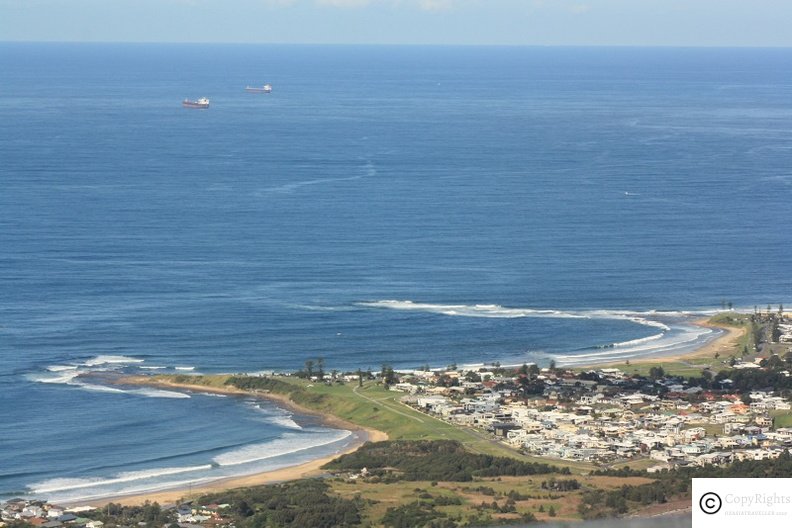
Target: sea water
(402, 205)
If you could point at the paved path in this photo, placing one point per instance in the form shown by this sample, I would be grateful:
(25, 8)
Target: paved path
(380, 402)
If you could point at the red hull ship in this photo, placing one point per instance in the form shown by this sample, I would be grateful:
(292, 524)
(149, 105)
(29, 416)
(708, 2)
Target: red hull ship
(203, 102)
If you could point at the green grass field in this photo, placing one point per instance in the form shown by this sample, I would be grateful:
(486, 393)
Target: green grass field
(782, 418)
(375, 407)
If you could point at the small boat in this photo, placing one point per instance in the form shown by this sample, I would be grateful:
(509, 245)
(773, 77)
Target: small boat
(267, 88)
(203, 102)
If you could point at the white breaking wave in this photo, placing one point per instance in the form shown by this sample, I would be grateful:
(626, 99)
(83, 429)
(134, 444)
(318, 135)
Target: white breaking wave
(682, 334)
(56, 374)
(153, 368)
(272, 416)
(639, 341)
(66, 484)
(61, 368)
(670, 343)
(498, 311)
(287, 444)
(185, 368)
(104, 360)
(468, 310)
(285, 421)
(159, 393)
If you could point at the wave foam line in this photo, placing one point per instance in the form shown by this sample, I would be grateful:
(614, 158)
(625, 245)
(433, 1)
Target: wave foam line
(469, 310)
(61, 368)
(286, 445)
(105, 360)
(498, 311)
(132, 490)
(67, 484)
(282, 419)
(70, 377)
(634, 342)
(636, 351)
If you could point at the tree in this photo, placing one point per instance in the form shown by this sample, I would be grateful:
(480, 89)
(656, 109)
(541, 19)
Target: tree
(472, 376)
(775, 332)
(388, 375)
(360, 378)
(656, 373)
(309, 365)
(551, 511)
(320, 367)
(552, 365)
(243, 509)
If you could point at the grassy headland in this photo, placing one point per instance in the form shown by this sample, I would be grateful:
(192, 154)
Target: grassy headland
(370, 407)
(432, 473)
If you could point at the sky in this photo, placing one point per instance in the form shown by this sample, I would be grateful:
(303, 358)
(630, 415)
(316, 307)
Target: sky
(445, 22)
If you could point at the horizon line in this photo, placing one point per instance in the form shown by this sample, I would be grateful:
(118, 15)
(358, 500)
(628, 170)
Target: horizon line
(399, 44)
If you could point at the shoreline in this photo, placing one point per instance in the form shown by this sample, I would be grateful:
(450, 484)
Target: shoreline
(312, 468)
(720, 344)
(275, 476)
(729, 338)
(308, 469)
(373, 435)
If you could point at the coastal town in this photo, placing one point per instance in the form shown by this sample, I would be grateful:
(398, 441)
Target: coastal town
(604, 416)
(39, 513)
(736, 409)
(646, 420)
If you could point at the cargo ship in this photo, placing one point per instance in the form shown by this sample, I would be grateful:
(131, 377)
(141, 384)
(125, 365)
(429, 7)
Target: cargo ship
(267, 88)
(203, 102)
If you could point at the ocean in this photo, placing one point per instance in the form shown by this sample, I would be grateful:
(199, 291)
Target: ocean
(402, 205)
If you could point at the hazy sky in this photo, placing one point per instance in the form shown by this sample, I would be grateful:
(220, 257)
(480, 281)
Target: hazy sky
(532, 22)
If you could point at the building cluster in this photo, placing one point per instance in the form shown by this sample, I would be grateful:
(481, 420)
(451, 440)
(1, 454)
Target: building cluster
(45, 515)
(605, 416)
(209, 516)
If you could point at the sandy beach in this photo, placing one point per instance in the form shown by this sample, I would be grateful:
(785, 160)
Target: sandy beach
(305, 470)
(724, 345)
(309, 469)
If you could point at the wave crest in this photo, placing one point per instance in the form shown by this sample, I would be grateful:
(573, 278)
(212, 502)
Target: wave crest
(287, 444)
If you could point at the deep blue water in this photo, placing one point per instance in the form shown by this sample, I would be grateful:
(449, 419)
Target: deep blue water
(510, 203)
